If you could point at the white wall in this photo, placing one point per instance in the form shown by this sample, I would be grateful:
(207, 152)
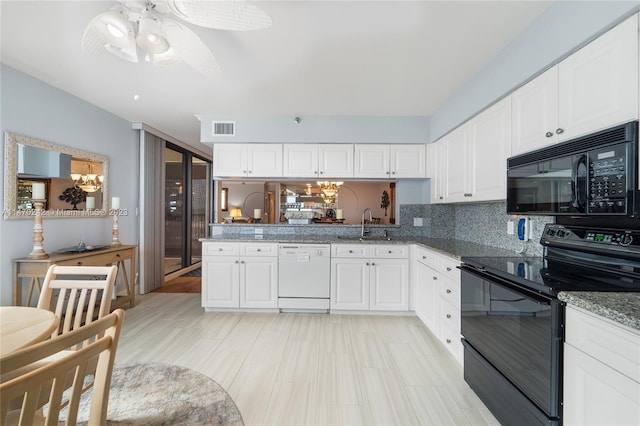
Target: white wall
(32, 108)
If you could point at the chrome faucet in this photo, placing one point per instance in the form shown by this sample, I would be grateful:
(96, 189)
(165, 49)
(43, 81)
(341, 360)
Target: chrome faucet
(370, 220)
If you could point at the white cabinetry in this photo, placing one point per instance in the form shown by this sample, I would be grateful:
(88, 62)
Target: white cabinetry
(390, 161)
(318, 160)
(438, 293)
(601, 371)
(594, 88)
(369, 277)
(476, 156)
(247, 160)
(240, 275)
(436, 170)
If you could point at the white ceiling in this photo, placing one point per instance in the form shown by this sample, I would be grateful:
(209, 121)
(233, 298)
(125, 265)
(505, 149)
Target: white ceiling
(382, 58)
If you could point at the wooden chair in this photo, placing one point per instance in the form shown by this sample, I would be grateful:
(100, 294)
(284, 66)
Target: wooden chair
(74, 292)
(49, 368)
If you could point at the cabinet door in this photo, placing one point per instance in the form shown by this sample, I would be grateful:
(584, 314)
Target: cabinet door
(350, 284)
(459, 167)
(437, 160)
(372, 161)
(596, 394)
(335, 161)
(599, 83)
(264, 160)
(259, 282)
(220, 282)
(389, 285)
(491, 138)
(427, 294)
(300, 160)
(408, 161)
(229, 159)
(534, 109)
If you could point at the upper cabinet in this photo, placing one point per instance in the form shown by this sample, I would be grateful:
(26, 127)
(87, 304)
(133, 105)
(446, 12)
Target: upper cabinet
(247, 160)
(390, 161)
(475, 157)
(594, 88)
(318, 160)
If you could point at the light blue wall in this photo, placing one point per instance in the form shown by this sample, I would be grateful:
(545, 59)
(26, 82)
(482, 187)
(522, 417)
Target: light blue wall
(33, 108)
(321, 129)
(560, 30)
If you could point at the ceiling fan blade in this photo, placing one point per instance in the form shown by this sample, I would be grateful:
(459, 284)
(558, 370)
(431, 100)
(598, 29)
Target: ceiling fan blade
(235, 15)
(190, 48)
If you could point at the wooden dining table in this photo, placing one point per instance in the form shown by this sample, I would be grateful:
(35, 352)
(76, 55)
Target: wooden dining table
(21, 326)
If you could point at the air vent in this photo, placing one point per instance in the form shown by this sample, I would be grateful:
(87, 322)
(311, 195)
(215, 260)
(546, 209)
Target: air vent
(224, 128)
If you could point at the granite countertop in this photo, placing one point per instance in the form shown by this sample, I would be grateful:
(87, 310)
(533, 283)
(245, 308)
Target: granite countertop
(454, 248)
(621, 307)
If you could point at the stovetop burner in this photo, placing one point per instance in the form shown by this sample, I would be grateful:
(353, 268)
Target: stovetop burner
(576, 259)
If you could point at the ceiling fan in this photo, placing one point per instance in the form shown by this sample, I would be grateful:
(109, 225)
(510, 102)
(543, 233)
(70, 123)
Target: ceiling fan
(134, 30)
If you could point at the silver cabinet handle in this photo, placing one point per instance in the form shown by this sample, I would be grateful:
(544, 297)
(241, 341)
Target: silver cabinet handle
(548, 134)
(373, 264)
(441, 197)
(449, 341)
(448, 291)
(448, 268)
(435, 278)
(220, 249)
(350, 251)
(367, 263)
(237, 261)
(390, 251)
(448, 316)
(559, 131)
(424, 257)
(258, 249)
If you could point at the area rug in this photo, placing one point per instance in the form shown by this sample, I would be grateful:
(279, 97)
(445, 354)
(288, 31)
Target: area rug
(161, 394)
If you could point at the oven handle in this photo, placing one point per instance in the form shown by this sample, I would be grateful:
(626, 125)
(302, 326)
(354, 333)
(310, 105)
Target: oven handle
(524, 292)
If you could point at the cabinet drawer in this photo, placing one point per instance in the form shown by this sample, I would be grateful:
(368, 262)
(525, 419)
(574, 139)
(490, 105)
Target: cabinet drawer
(449, 316)
(390, 251)
(611, 344)
(350, 250)
(450, 291)
(449, 268)
(259, 249)
(220, 249)
(95, 260)
(428, 257)
(450, 338)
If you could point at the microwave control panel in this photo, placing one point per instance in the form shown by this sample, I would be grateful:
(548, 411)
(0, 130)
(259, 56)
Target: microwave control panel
(608, 180)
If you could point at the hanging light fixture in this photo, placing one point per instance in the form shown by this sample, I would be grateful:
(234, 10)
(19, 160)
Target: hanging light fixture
(88, 182)
(329, 189)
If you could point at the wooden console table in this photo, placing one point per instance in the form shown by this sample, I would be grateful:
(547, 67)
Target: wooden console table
(36, 269)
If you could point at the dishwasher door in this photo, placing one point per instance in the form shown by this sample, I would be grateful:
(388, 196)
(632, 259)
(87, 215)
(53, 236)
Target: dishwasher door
(304, 276)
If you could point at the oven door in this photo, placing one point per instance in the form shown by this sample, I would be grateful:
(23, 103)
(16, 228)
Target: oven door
(518, 334)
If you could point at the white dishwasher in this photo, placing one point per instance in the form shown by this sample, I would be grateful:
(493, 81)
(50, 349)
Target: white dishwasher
(304, 277)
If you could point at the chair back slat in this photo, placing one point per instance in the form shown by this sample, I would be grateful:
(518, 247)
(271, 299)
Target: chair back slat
(50, 367)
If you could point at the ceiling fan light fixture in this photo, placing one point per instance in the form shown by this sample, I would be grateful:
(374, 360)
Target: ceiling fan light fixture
(150, 36)
(112, 27)
(169, 57)
(129, 52)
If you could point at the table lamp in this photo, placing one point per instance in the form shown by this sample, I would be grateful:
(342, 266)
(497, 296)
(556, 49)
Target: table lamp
(234, 213)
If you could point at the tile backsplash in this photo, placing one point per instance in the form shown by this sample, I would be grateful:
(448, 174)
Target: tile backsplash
(483, 223)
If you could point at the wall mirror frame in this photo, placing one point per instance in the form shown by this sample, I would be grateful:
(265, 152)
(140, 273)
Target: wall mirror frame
(12, 141)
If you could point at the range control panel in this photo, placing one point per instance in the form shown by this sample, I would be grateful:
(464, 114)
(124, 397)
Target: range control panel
(559, 235)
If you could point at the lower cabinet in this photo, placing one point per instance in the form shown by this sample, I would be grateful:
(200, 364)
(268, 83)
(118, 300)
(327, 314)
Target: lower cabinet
(601, 373)
(240, 275)
(369, 277)
(438, 298)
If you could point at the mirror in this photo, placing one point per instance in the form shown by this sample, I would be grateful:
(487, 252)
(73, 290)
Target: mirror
(29, 161)
(280, 202)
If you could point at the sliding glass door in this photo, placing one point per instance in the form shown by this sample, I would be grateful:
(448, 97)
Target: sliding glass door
(186, 207)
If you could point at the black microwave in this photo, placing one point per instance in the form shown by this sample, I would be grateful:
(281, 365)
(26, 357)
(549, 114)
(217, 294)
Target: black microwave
(593, 175)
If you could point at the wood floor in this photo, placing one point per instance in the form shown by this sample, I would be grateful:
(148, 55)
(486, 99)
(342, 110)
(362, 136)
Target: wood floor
(307, 369)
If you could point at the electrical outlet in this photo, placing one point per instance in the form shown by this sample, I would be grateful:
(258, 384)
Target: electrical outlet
(510, 228)
(258, 231)
(417, 221)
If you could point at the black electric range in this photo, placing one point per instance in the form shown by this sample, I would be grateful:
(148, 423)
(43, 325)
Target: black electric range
(575, 259)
